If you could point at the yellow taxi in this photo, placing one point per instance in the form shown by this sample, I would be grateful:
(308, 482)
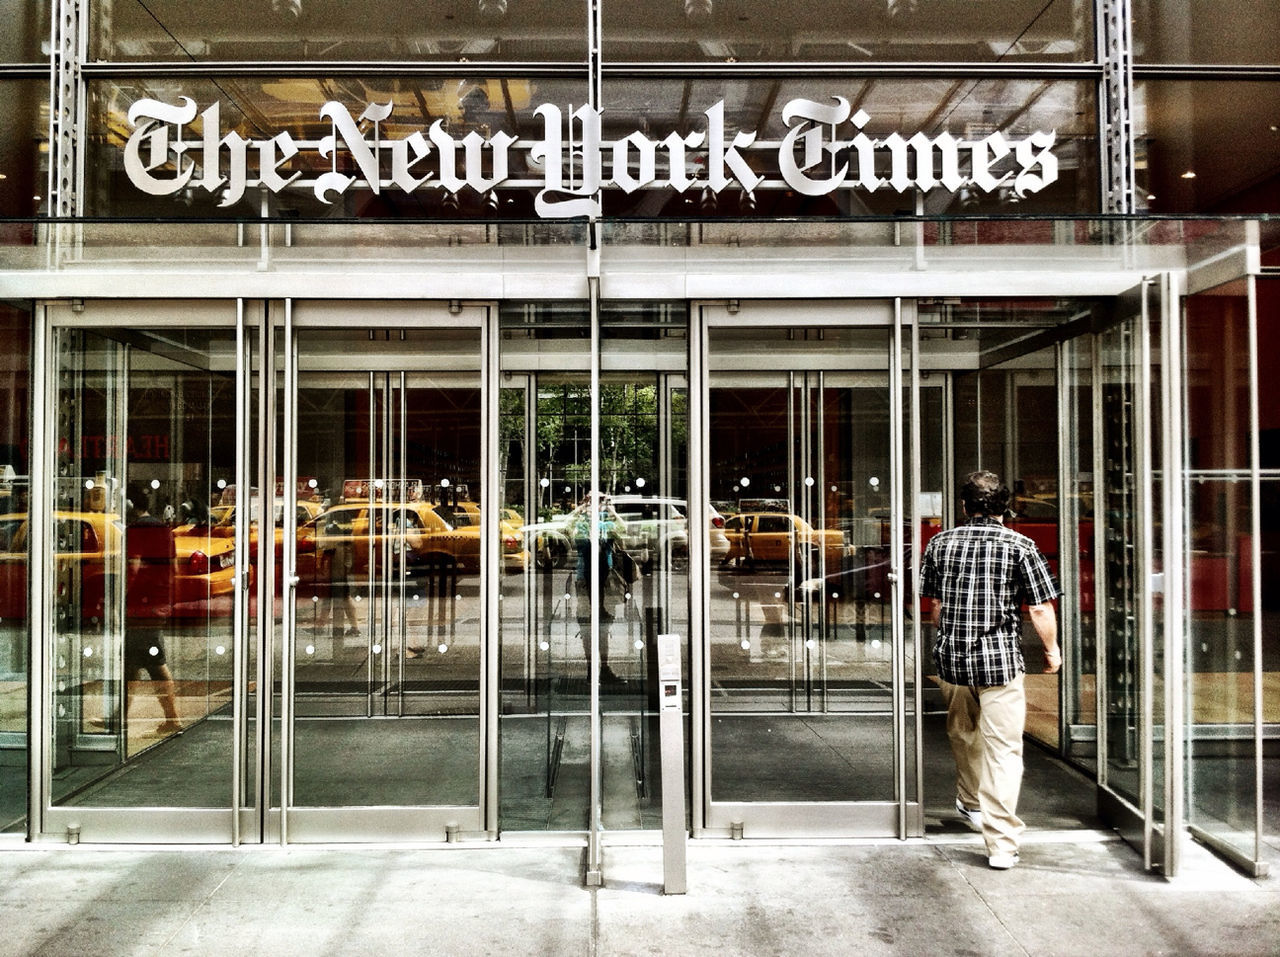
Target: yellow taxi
(94, 545)
(778, 537)
(344, 534)
(467, 514)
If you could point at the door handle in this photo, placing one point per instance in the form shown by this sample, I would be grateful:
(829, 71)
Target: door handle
(293, 581)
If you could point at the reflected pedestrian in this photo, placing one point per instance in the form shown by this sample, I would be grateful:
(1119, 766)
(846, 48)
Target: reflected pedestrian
(611, 529)
(978, 575)
(152, 556)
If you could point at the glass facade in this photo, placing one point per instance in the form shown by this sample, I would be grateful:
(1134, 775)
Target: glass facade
(870, 31)
(552, 331)
(318, 31)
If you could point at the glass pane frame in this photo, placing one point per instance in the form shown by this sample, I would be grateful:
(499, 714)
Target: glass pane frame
(161, 343)
(897, 812)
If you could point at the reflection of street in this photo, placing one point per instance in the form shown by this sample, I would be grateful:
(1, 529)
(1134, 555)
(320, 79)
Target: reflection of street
(432, 631)
(200, 658)
(769, 643)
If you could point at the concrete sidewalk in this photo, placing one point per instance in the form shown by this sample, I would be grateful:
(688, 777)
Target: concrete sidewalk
(1074, 893)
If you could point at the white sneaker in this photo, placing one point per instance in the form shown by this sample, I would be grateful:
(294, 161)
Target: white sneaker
(971, 817)
(1002, 862)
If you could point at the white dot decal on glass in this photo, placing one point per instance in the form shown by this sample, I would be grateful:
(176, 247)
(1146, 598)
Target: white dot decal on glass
(442, 647)
(310, 649)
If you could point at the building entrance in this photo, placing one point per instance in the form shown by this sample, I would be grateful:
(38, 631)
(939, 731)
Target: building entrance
(480, 520)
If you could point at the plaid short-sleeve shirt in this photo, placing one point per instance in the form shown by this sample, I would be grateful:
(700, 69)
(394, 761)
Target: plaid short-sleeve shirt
(982, 573)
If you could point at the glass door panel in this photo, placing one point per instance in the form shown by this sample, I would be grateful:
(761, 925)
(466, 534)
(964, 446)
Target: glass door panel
(1133, 789)
(387, 608)
(144, 570)
(1078, 613)
(802, 613)
(800, 602)
(1225, 710)
(547, 620)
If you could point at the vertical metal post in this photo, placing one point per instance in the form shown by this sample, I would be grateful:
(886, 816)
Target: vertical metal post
(793, 507)
(239, 598)
(594, 870)
(1115, 52)
(65, 110)
(1145, 577)
(373, 560)
(699, 584)
(40, 570)
(290, 571)
(907, 312)
(671, 734)
(401, 478)
(1068, 540)
(532, 510)
(1261, 868)
(1101, 613)
(1173, 552)
(267, 572)
(491, 570)
(896, 458)
(595, 863)
(818, 602)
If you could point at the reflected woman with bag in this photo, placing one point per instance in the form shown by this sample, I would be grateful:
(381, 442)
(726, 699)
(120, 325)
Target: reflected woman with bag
(612, 560)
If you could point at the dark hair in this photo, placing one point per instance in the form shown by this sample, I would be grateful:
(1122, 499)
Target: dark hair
(984, 494)
(138, 497)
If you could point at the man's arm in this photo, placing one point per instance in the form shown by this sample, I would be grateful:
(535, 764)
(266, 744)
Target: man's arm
(1045, 622)
(935, 611)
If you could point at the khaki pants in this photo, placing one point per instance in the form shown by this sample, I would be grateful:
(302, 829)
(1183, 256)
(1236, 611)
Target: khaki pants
(985, 728)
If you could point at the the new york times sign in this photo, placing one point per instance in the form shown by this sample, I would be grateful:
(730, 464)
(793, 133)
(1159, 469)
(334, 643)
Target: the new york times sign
(823, 150)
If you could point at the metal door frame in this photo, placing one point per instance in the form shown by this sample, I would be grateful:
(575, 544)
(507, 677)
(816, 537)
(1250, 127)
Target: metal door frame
(174, 825)
(289, 824)
(903, 816)
(1154, 824)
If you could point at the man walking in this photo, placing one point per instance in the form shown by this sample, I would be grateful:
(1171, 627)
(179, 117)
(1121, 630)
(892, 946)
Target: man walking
(978, 575)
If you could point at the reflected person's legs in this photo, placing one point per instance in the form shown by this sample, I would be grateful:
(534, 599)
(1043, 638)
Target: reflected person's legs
(144, 651)
(582, 590)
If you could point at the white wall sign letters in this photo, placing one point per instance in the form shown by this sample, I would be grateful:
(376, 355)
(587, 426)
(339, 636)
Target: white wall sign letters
(823, 150)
